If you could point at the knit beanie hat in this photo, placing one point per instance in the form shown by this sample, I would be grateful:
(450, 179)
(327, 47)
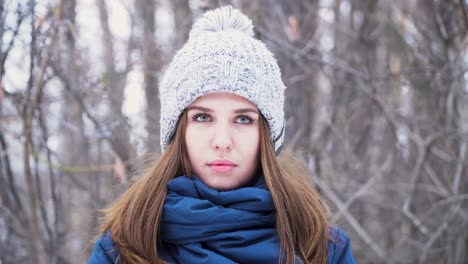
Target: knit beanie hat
(221, 55)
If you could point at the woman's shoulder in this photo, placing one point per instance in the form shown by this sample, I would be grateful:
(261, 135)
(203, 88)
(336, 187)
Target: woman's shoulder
(339, 247)
(104, 250)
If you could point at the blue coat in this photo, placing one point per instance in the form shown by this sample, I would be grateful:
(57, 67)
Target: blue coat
(339, 249)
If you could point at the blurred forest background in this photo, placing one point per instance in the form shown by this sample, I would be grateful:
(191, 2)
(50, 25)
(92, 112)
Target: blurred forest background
(376, 104)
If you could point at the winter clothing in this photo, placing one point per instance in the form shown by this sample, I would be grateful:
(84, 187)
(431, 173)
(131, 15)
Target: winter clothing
(202, 225)
(222, 55)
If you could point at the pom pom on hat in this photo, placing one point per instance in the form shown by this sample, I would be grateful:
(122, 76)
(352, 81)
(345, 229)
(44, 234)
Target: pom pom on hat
(222, 19)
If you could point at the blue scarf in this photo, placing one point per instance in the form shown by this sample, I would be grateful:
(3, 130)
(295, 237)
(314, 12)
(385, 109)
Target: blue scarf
(202, 225)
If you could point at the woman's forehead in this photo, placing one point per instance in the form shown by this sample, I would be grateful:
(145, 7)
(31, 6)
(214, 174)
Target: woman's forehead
(227, 100)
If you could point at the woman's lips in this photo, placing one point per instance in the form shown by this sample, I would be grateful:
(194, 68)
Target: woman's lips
(222, 165)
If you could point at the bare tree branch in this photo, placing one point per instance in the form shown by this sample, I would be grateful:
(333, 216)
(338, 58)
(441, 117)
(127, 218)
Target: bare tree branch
(350, 218)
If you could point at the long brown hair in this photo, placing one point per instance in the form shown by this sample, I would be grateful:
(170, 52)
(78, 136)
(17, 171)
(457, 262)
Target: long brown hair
(301, 219)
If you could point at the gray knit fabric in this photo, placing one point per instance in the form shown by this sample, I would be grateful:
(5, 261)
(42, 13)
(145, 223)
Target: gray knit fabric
(221, 55)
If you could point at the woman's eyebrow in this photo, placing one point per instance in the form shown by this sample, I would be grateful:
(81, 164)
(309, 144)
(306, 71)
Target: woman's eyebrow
(201, 108)
(245, 110)
(209, 110)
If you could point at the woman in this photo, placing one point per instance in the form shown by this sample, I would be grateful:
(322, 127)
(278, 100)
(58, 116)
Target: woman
(218, 193)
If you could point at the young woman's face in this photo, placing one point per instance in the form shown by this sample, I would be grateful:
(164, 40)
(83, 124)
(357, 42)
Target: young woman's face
(222, 139)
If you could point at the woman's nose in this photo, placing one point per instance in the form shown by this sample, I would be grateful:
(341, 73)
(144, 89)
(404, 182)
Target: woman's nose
(222, 137)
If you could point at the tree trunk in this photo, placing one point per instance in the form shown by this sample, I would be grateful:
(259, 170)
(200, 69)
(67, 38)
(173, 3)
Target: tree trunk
(115, 82)
(151, 66)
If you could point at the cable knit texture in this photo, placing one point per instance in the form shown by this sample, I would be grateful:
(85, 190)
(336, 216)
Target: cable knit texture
(221, 55)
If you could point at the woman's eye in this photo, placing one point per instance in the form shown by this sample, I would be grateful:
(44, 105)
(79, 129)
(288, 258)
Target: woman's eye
(244, 120)
(202, 118)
